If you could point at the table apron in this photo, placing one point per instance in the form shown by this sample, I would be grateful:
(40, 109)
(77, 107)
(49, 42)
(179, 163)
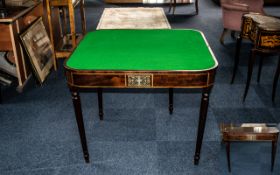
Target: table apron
(141, 80)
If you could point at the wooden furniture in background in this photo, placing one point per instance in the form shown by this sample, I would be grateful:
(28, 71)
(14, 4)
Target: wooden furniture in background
(249, 132)
(18, 19)
(67, 42)
(264, 32)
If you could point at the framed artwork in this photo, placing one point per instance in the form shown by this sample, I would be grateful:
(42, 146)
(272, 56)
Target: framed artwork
(40, 51)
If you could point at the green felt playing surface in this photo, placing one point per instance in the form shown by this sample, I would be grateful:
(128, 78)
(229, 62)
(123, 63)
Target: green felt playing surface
(142, 50)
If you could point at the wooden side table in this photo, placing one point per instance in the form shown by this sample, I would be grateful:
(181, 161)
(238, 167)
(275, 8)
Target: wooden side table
(249, 132)
(264, 32)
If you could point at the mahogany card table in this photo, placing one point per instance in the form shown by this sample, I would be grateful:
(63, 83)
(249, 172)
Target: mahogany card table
(141, 59)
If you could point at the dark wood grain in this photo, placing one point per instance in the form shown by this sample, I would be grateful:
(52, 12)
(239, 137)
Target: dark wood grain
(161, 79)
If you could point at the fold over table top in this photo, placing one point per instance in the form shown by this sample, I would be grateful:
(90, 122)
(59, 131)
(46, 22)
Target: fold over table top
(152, 50)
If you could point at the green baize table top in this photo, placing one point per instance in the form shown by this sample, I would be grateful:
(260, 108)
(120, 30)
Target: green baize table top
(136, 50)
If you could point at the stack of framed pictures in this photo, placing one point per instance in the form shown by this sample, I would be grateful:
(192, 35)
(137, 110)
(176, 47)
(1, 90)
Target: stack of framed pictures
(39, 49)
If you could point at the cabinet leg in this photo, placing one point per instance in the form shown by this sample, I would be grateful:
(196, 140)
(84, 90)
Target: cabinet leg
(276, 76)
(249, 74)
(260, 69)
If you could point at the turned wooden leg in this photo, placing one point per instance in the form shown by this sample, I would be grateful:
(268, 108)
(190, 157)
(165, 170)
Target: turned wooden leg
(201, 124)
(249, 74)
(228, 155)
(260, 69)
(100, 103)
(80, 122)
(223, 35)
(170, 100)
(275, 81)
(236, 57)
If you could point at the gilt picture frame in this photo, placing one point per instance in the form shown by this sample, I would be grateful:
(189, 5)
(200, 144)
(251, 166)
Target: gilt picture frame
(39, 49)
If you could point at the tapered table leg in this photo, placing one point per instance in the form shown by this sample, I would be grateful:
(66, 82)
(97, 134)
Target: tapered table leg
(228, 155)
(273, 153)
(260, 69)
(249, 74)
(236, 58)
(170, 100)
(276, 76)
(201, 124)
(79, 118)
(100, 103)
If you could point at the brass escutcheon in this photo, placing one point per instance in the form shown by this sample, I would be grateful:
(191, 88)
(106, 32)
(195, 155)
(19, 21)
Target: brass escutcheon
(139, 80)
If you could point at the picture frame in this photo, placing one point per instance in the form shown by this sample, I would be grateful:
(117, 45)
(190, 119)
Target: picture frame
(39, 49)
